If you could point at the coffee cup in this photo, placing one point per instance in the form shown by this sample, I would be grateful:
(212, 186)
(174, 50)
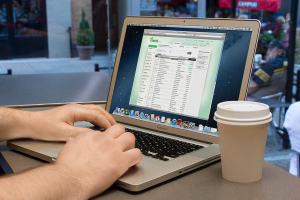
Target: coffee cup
(258, 58)
(242, 129)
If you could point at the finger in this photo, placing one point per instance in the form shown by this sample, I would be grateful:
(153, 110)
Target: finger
(101, 121)
(77, 130)
(115, 131)
(134, 156)
(93, 116)
(70, 132)
(103, 111)
(108, 116)
(126, 141)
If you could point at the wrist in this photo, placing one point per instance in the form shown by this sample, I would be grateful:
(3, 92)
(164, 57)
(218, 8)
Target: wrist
(76, 188)
(49, 181)
(14, 124)
(26, 121)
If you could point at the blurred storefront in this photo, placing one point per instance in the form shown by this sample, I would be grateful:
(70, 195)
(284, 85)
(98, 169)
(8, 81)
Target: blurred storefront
(47, 28)
(23, 29)
(273, 14)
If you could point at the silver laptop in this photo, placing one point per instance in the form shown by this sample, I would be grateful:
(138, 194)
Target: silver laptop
(169, 76)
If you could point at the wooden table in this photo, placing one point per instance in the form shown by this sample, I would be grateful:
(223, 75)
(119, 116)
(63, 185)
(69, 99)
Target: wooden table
(204, 183)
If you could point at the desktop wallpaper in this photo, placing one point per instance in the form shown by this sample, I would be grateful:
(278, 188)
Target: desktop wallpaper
(228, 80)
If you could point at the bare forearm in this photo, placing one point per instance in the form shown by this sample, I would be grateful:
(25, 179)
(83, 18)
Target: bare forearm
(52, 125)
(46, 182)
(253, 87)
(14, 124)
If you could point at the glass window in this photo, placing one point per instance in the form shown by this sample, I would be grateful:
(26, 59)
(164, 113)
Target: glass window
(297, 50)
(39, 32)
(39, 36)
(23, 29)
(168, 8)
(274, 17)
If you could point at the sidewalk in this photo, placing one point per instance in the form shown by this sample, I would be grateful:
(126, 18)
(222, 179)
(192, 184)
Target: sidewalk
(57, 65)
(275, 154)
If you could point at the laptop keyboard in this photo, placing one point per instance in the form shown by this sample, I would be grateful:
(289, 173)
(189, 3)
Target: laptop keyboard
(161, 148)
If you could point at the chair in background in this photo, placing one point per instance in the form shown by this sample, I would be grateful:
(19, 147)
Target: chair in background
(277, 106)
(297, 98)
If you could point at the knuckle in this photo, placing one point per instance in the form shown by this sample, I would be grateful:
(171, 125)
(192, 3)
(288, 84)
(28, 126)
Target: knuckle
(130, 136)
(138, 152)
(102, 120)
(99, 107)
(120, 127)
(139, 155)
(98, 117)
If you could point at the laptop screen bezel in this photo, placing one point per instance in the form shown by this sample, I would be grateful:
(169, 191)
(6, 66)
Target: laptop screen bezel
(253, 24)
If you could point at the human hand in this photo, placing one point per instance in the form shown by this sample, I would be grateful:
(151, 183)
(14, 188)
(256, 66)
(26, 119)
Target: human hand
(97, 159)
(262, 62)
(58, 124)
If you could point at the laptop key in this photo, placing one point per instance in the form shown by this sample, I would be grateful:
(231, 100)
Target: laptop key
(160, 147)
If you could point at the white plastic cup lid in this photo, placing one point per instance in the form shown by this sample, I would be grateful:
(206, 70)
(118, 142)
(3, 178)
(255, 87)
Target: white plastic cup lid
(246, 112)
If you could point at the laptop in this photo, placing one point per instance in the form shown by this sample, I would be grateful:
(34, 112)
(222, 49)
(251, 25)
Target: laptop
(169, 76)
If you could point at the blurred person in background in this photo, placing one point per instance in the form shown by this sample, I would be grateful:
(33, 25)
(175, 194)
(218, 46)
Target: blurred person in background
(169, 11)
(218, 14)
(159, 11)
(292, 125)
(243, 16)
(271, 77)
(183, 12)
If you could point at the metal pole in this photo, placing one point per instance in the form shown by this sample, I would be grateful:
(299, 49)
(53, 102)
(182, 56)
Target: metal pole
(11, 28)
(108, 40)
(291, 53)
(211, 8)
(233, 8)
(201, 8)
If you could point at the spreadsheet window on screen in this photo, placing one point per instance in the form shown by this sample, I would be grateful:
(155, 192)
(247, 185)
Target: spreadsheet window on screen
(176, 71)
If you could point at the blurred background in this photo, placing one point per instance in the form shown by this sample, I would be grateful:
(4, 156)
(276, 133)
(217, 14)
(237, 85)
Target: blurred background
(45, 29)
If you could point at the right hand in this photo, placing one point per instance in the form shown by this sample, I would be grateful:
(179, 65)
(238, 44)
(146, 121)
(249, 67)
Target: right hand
(262, 62)
(97, 159)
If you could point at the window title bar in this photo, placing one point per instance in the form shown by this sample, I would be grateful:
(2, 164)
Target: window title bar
(198, 27)
(185, 34)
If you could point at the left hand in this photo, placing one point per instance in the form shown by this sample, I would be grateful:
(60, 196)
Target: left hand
(58, 124)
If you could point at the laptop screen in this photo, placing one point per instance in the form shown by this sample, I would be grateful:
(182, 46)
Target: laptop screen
(176, 76)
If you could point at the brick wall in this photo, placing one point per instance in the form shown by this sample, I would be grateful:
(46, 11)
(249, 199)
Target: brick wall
(76, 7)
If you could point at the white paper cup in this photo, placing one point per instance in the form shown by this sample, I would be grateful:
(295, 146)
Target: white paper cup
(242, 128)
(258, 58)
